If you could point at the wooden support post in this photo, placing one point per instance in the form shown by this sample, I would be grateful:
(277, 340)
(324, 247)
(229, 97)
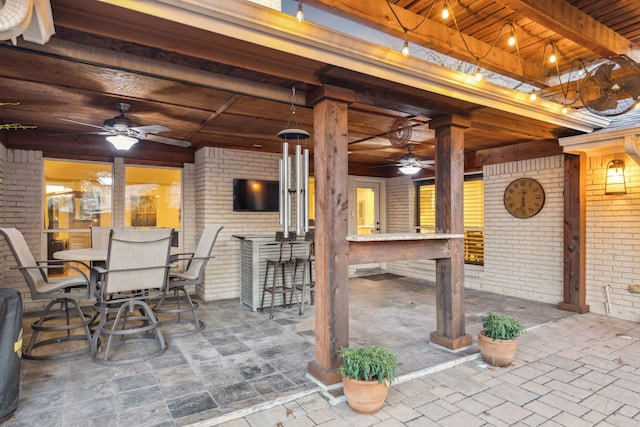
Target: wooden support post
(450, 324)
(330, 158)
(575, 228)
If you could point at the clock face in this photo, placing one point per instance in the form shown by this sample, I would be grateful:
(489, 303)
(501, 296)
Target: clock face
(524, 198)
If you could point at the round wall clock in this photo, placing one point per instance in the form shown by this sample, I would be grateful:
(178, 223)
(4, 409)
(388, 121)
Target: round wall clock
(524, 197)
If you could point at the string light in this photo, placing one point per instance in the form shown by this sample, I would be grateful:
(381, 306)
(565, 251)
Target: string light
(478, 74)
(512, 36)
(405, 48)
(299, 12)
(533, 95)
(565, 109)
(445, 11)
(553, 58)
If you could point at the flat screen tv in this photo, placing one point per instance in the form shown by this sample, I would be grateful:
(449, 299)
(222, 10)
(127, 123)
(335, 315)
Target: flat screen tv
(254, 195)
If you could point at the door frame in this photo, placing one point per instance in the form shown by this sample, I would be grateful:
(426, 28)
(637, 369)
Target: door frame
(367, 182)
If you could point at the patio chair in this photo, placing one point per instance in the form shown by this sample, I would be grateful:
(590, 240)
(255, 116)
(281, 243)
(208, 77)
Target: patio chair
(284, 262)
(193, 274)
(136, 271)
(100, 237)
(62, 316)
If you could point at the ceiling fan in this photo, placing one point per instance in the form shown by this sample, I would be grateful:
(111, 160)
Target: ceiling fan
(123, 133)
(410, 164)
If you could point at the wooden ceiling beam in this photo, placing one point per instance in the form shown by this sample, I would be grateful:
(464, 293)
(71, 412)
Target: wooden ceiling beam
(431, 34)
(569, 22)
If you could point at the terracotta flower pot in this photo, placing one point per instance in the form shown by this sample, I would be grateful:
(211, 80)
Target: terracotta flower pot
(497, 352)
(365, 397)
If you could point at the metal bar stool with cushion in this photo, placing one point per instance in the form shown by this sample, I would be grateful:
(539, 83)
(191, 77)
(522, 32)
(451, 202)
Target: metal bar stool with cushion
(177, 305)
(62, 326)
(137, 270)
(307, 271)
(282, 263)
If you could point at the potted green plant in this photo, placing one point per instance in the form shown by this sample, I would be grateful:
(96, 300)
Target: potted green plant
(498, 339)
(367, 373)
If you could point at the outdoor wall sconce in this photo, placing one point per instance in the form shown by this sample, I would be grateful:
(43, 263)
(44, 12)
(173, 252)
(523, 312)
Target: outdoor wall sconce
(615, 183)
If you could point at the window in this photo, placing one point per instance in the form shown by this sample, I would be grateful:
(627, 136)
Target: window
(473, 215)
(76, 196)
(153, 197)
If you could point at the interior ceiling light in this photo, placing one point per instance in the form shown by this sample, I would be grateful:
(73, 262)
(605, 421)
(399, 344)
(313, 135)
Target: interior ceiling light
(122, 142)
(299, 13)
(533, 96)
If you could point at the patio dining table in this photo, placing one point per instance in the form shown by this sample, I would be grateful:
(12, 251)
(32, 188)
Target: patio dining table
(82, 254)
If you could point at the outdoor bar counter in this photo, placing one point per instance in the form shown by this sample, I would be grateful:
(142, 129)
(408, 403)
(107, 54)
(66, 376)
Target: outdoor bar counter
(254, 251)
(372, 248)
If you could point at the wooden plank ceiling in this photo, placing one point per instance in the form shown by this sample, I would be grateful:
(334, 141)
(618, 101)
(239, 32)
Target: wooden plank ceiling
(213, 90)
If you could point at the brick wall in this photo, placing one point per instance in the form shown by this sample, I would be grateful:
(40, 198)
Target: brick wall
(400, 205)
(215, 170)
(613, 232)
(523, 257)
(4, 248)
(22, 187)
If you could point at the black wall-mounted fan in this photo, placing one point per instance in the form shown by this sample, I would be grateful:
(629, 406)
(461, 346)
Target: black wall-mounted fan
(613, 87)
(399, 132)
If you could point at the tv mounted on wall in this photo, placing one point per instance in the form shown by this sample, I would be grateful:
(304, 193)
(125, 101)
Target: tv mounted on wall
(255, 195)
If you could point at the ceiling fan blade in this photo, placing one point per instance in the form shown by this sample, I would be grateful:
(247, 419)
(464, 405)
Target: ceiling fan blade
(79, 123)
(81, 133)
(150, 129)
(166, 140)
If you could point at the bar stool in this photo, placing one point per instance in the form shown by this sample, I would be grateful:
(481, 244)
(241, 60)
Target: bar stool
(307, 267)
(283, 262)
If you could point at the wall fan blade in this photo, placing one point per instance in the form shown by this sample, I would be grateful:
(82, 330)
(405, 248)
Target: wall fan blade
(167, 140)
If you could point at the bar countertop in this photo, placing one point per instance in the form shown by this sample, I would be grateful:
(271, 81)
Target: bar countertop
(388, 237)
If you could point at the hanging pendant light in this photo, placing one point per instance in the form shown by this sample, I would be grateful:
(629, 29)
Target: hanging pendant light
(615, 182)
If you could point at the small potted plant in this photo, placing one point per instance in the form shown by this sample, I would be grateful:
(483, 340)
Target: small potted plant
(498, 338)
(367, 373)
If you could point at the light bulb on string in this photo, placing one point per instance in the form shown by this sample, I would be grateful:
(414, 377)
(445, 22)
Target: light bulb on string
(533, 95)
(478, 74)
(445, 11)
(405, 48)
(299, 12)
(512, 37)
(565, 109)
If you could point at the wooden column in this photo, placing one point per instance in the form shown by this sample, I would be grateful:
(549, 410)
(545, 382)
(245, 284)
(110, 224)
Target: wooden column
(450, 325)
(575, 228)
(330, 160)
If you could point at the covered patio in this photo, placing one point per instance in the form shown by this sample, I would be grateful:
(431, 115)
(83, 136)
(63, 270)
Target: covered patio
(243, 361)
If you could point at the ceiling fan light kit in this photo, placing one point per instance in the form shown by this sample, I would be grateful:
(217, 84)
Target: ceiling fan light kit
(122, 142)
(409, 170)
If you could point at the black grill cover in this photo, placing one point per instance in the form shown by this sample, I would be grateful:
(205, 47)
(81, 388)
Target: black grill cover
(10, 350)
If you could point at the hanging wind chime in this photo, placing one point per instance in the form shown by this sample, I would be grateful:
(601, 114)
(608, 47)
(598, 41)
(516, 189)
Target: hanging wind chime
(294, 133)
